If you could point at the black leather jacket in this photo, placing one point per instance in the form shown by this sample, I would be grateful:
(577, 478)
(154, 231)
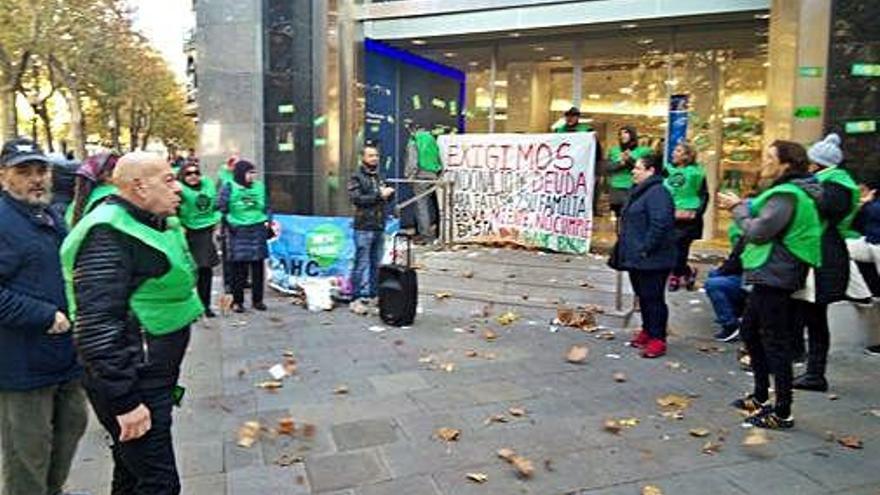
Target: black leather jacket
(363, 188)
(120, 359)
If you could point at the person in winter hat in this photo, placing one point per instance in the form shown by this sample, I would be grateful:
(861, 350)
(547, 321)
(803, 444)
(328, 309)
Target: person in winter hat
(837, 207)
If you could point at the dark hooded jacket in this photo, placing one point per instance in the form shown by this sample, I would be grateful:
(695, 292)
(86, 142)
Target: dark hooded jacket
(248, 242)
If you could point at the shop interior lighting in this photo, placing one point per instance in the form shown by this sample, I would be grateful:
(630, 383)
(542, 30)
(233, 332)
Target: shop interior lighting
(762, 16)
(539, 48)
(449, 54)
(419, 42)
(515, 34)
(626, 90)
(594, 96)
(501, 84)
(473, 63)
(557, 58)
(629, 25)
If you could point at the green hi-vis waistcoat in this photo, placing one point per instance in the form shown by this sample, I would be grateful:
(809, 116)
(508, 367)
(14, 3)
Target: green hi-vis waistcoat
(581, 127)
(247, 205)
(428, 152)
(162, 305)
(623, 179)
(843, 178)
(803, 236)
(684, 183)
(734, 233)
(198, 207)
(97, 195)
(224, 175)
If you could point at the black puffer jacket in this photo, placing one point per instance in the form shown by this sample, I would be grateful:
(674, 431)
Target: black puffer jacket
(832, 277)
(121, 360)
(364, 190)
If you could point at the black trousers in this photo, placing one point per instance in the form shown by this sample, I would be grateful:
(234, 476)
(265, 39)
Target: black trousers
(240, 271)
(683, 251)
(766, 333)
(815, 318)
(206, 275)
(145, 466)
(650, 287)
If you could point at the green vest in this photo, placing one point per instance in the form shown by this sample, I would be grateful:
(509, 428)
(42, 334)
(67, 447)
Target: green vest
(684, 183)
(164, 304)
(198, 207)
(224, 176)
(581, 127)
(843, 178)
(247, 205)
(734, 233)
(97, 195)
(428, 152)
(623, 179)
(803, 236)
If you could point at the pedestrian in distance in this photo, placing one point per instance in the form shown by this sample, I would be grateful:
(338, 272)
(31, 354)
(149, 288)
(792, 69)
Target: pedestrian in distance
(93, 185)
(686, 181)
(782, 231)
(369, 195)
(621, 160)
(131, 285)
(199, 215)
(42, 403)
(646, 249)
(246, 212)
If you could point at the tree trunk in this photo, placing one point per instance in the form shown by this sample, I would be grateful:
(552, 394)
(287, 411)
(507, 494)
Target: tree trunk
(9, 121)
(115, 131)
(43, 113)
(74, 105)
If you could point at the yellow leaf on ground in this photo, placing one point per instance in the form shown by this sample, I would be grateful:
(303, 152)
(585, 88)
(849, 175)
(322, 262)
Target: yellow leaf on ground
(517, 411)
(711, 448)
(270, 385)
(448, 434)
(851, 441)
(443, 295)
(489, 335)
(506, 454)
(286, 426)
(523, 466)
(477, 477)
(651, 490)
(496, 418)
(755, 438)
(699, 432)
(577, 354)
(341, 390)
(248, 434)
(619, 377)
(507, 318)
(674, 401)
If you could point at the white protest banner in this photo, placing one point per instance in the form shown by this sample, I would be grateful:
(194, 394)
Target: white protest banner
(535, 190)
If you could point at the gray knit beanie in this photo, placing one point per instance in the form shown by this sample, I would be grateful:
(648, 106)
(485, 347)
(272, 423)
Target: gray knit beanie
(827, 151)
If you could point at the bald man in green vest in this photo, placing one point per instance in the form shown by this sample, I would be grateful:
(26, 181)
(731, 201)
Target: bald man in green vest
(131, 290)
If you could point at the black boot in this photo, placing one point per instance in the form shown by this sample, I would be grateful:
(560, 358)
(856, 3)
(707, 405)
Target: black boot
(810, 382)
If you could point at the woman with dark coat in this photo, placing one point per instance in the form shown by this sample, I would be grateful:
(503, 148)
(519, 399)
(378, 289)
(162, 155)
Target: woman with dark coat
(646, 249)
(199, 215)
(243, 202)
(838, 208)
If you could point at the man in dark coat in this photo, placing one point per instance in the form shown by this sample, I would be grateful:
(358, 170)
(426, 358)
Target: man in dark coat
(42, 404)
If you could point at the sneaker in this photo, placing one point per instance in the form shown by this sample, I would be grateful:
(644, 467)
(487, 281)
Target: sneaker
(769, 420)
(674, 283)
(690, 281)
(812, 383)
(654, 349)
(210, 314)
(640, 340)
(728, 333)
(260, 306)
(750, 404)
(873, 350)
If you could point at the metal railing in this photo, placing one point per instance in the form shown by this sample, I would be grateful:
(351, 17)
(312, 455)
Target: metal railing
(445, 190)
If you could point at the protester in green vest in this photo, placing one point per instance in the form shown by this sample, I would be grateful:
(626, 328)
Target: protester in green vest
(423, 164)
(130, 284)
(573, 122)
(686, 181)
(782, 231)
(837, 208)
(621, 159)
(199, 215)
(93, 186)
(246, 211)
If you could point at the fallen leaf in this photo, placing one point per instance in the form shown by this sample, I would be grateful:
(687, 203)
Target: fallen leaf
(580, 318)
(517, 411)
(677, 415)
(426, 359)
(586, 285)
(285, 460)
(833, 397)
(496, 418)
(606, 335)
(468, 274)
(309, 430)
(489, 335)
(673, 401)
(506, 454)
(270, 385)
(477, 477)
(507, 318)
(673, 365)
(248, 434)
(286, 426)
(699, 432)
(628, 422)
(619, 377)
(612, 426)
(711, 448)
(851, 441)
(442, 295)
(651, 490)
(755, 438)
(448, 367)
(577, 354)
(710, 349)
(489, 355)
(448, 434)
(471, 353)
(523, 466)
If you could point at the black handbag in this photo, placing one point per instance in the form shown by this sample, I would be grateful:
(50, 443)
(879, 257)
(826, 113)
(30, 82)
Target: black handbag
(614, 257)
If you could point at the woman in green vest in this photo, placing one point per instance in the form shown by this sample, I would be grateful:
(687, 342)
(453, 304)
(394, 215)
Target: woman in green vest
(225, 174)
(243, 203)
(686, 181)
(621, 159)
(782, 232)
(92, 186)
(199, 215)
(838, 208)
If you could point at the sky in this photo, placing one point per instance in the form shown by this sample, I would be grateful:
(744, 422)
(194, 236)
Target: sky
(165, 23)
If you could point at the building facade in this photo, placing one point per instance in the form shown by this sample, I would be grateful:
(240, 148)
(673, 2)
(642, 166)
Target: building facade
(299, 85)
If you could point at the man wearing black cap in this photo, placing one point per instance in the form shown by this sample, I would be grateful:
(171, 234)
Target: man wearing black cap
(42, 403)
(573, 122)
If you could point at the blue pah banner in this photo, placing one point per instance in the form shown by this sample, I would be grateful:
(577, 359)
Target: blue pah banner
(678, 123)
(309, 247)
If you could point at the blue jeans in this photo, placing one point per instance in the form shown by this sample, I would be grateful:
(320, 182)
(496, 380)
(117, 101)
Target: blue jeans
(728, 297)
(367, 257)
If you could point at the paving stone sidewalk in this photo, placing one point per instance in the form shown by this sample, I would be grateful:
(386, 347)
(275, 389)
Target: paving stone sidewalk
(379, 437)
